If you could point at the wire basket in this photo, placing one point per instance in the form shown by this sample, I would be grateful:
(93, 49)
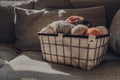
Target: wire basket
(79, 51)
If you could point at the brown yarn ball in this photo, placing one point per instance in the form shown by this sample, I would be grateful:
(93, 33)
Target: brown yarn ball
(93, 31)
(79, 30)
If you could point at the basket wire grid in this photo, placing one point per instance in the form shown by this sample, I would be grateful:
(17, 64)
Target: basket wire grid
(78, 51)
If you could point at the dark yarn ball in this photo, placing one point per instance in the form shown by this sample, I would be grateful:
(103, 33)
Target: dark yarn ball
(84, 22)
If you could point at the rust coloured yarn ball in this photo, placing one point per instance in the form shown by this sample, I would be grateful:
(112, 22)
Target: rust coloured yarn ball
(73, 19)
(93, 31)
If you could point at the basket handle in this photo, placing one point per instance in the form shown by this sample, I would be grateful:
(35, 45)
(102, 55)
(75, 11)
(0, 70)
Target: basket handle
(91, 40)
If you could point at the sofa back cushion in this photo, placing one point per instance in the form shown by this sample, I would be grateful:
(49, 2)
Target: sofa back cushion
(50, 4)
(6, 24)
(7, 34)
(111, 5)
(29, 22)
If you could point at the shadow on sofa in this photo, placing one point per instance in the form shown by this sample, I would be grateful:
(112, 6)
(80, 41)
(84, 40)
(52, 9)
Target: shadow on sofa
(33, 67)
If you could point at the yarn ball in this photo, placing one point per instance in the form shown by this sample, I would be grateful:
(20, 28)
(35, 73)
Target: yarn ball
(79, 30)
(93, 31)
(64, 27)
(48, 30)
(73, 19)
(54, 25)
(103, 29)
(84, 22)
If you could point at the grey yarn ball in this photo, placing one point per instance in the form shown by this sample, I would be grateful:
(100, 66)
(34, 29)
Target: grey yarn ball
(58, 27)
(61, 27)
(54, 25)
(51, 28)
(64, 27)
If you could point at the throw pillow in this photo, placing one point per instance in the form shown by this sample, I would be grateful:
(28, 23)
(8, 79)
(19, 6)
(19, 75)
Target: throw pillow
(29, 22)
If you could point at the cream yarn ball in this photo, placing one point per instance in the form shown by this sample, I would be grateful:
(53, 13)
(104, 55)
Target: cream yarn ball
(79, 30)
(103, 30)
(48, 30)
(51, 28)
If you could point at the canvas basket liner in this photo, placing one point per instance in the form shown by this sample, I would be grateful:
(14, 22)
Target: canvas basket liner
(84, 52)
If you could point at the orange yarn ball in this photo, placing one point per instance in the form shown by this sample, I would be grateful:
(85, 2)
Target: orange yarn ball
(93, 31)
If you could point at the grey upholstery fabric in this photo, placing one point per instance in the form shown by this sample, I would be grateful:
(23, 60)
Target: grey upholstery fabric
(114, 41)
(29, 22)
(2, 62)
(50, 4)
(7, 53)
(22, 3)
(30, 66)
(7, 19)
(6, 24)
(111, 5)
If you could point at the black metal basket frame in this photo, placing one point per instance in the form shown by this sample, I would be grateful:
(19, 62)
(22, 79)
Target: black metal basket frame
(97, 59)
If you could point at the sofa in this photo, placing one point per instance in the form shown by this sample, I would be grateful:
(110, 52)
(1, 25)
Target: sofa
(25, 64)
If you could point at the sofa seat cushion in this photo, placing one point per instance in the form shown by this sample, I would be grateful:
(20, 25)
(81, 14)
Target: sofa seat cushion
(7, 53)
(2, 62)
(30, 66)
